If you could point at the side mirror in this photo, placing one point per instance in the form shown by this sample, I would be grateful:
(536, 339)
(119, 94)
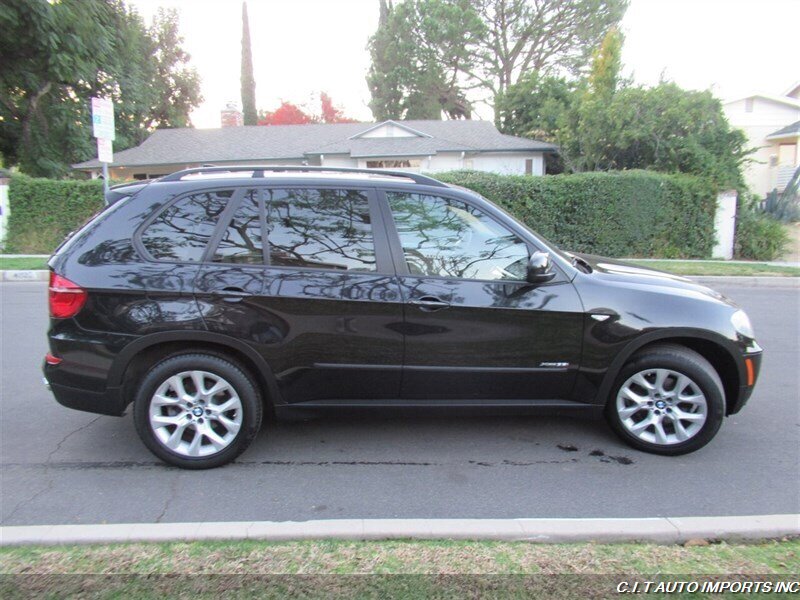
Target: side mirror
(539, 270)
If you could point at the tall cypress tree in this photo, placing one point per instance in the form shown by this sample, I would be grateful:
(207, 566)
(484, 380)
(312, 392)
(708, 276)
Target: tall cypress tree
(248, 81)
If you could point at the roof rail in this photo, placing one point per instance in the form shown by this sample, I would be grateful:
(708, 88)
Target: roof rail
(259, 170)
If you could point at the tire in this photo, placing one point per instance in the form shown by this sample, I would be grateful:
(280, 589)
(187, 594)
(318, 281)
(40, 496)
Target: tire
(667, 400)
(194, 430)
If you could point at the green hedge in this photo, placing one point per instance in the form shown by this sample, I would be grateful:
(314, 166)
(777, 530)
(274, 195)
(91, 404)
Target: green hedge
(629, 213)
(625, 213)
(44, 211)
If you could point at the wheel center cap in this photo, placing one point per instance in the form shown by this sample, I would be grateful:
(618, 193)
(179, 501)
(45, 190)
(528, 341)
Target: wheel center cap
(197, 411)
(661, 404)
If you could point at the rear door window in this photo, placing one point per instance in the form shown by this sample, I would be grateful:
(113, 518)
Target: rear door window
(241, 242)
(320, 228)
(180, 233)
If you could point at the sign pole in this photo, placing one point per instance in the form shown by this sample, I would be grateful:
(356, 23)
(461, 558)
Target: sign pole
(103, 130)
(105, 177)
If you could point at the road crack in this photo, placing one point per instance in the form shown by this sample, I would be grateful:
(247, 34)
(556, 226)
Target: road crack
(173, 489)
(47, 474)
(69, 435)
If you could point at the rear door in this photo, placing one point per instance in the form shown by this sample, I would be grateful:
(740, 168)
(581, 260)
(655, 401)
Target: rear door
(474, 328)
(329, 306)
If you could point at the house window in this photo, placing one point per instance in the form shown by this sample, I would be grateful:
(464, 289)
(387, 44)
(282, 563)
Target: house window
(413, 163)
(748, 105)
(528, 166)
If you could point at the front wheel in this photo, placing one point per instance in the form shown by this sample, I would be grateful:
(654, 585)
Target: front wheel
(197, 411)
(667, 400)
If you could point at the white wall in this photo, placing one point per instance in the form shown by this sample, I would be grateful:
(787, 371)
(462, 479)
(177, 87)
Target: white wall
(5, 210)
(508, 164)
(766, 117)
(339, 160)
(724, 225)
(129, 172)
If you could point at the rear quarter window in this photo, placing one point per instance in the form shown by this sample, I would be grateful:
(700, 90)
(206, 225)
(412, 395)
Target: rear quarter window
(181, 232)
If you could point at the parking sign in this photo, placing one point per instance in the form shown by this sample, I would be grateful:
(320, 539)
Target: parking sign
(103, 118)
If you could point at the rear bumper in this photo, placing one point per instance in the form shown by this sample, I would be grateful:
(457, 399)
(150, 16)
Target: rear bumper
(103, 403)
(109, 401)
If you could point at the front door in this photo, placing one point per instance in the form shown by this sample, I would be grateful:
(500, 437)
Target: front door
(474, 328)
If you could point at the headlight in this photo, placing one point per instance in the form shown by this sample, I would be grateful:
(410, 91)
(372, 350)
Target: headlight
(741, 323)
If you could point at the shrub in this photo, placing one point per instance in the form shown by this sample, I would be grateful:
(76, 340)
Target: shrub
(624, 213)
(44, 211)
(759, 236)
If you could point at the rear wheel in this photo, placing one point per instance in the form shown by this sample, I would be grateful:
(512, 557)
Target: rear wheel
(197, 411)
(667, 400)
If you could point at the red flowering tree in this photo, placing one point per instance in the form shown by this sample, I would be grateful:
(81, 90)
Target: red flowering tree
(286, 114)
(331, 114)
(291, 114)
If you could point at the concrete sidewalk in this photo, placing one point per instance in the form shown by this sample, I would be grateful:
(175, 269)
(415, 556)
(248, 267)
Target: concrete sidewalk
(663, 530)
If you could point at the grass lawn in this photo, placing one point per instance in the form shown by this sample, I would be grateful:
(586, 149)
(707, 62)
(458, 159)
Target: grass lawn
(717, 267)
(405, 569)
(15, 264)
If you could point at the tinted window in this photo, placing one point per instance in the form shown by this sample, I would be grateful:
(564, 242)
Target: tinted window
(181, 232)
(448, 238)
(328, 229)
(241, 243)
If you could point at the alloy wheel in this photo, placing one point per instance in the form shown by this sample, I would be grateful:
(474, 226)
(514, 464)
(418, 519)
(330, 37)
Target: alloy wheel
(195, 413)
(661, 406)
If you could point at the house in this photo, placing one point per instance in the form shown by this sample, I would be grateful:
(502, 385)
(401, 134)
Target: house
(427, 146)
(772, 125)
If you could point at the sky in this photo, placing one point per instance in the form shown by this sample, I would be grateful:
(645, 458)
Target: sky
(302, 47)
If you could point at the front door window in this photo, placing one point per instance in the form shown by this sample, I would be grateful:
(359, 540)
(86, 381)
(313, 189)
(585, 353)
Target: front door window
(442, 237)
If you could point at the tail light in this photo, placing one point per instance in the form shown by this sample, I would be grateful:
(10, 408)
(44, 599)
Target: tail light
(66, 298)
(52, 360)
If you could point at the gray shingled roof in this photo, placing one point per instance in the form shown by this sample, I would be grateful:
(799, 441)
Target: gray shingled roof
(793, 129)
(231, 144)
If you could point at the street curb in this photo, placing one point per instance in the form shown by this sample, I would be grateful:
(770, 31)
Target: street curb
(711, 280)
(24, 275)
(660, 530)
(746, 281)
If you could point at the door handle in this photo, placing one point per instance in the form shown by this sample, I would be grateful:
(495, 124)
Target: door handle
(232, 294)
(430, 303)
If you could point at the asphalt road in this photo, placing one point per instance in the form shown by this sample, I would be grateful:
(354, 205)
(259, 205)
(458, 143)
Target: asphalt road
(62, 466)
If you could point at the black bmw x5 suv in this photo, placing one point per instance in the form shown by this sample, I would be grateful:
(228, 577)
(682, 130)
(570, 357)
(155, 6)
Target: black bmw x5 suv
(212, 296)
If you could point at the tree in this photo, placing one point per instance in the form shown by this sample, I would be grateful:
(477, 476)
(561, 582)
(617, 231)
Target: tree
(427, 55)
(248, 81)
(176, 84)
(286, 114)
(291, 114)
(55, 56)
(546, 36)
(421, 53)
(604, 76)
(664, 128)
(533, 107)
(329, 113)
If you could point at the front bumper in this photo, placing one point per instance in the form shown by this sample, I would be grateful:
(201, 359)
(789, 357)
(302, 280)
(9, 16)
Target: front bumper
(751, 373)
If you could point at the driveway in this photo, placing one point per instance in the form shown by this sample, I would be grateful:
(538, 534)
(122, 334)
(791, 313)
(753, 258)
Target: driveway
(62, 466)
